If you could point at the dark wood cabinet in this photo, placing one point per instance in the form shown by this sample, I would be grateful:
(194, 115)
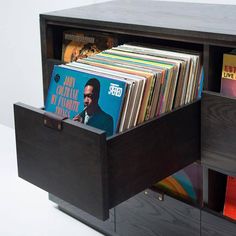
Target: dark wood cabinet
(101, 181)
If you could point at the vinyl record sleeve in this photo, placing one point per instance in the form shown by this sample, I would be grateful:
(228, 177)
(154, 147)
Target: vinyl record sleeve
(66, 97)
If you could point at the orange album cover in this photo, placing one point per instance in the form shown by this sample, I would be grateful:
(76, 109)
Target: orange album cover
(230, 198)
(79, 45)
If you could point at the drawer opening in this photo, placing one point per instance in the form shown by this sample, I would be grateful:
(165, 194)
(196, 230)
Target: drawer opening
(81, 166)
(213, 66)
(217, 198)
(216, 192)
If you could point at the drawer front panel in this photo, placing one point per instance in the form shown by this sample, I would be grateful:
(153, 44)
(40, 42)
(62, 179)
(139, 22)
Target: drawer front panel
(218, 132)
(70, 163)
(216, 226)
(145, 215)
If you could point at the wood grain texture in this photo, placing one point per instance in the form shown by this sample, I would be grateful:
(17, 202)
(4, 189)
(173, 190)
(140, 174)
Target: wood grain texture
(145, 215)
(218, 125)
(212, 225)
(182, 21)
(152, 151)
(105, 227)
(70, 163)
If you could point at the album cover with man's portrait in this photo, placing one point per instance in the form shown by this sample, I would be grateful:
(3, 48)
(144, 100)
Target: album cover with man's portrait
(87, 98)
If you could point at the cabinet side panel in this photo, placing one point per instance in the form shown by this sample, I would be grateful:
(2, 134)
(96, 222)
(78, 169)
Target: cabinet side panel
(45, 46)
(218, 132)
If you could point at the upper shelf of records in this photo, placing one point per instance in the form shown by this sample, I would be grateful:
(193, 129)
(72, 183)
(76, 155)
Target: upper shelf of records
(183, 21)
(56, 39)
(53, 48)
(205, 28)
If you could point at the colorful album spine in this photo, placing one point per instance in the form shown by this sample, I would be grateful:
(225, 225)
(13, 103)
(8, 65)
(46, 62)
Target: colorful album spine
(200, 85)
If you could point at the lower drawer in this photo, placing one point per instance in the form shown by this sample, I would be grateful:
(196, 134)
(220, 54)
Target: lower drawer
(213, 225)
(78, 164)
(145, 215)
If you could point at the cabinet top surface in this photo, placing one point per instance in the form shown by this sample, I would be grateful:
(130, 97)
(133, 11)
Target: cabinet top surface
(198, 18)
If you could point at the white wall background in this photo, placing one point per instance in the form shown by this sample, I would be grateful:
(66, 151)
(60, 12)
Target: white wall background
(20, 59)
(20, 52)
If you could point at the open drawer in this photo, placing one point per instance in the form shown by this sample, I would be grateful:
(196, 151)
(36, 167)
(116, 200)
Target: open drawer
(81, 166)
(218, 123)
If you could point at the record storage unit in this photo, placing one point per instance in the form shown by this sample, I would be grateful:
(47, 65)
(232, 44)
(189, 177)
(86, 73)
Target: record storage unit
(88, 175)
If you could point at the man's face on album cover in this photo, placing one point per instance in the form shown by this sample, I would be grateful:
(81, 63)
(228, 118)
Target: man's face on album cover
(89, 100)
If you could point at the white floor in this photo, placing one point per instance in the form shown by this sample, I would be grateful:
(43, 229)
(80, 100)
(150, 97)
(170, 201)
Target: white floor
(25, 209)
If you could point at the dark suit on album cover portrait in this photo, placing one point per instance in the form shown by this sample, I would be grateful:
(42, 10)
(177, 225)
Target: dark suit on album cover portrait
(92, 114)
